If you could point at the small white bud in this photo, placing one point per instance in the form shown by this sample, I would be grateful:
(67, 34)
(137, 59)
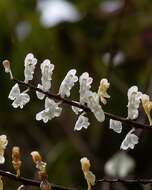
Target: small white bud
(116, 125)
(7, 67)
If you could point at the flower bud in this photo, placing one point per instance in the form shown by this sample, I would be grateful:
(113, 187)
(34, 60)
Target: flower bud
(89, 176)
(85, 164)
(7, 67)
(16, 159)
(102, 91)
(40, 165)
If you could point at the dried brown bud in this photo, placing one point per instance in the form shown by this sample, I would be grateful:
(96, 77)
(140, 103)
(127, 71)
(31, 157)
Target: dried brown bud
(89, 176)
(16, 159)
(85, 164)
(40, 165)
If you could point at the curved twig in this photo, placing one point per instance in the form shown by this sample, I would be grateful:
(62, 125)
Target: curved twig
(30, 182)
(84, 107)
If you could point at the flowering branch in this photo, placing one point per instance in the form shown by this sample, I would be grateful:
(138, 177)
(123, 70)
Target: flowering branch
(30, 182)
(84, 107)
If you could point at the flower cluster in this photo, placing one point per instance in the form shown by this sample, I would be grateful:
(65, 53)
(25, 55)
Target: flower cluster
(135, 97)
(92, 100)
(52, 109)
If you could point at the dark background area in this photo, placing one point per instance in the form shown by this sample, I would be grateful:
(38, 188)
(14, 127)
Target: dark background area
(108, 39)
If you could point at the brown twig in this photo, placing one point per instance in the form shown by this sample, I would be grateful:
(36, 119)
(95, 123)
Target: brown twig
(84, 107)
(126, 181)
(30, 182)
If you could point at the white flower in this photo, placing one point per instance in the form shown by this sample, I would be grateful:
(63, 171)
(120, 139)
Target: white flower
(57, 11)
(29, 63)
(130, 141)
(116, 125)
(120, 165)
(68, 83)
(93, 104)
(20, 99)
(134, 97)
(47, 71)
(51, 110)
(82, 122)
(102, 91)
(89, 97)
(76, 110)
(39, 94)
(85, 85)
(3, 144)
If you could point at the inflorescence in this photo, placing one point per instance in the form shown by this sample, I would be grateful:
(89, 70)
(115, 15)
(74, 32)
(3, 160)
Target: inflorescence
(88, 101)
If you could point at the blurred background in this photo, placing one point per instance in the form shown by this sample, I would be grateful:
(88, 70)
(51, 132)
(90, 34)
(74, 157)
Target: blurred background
(107, 38)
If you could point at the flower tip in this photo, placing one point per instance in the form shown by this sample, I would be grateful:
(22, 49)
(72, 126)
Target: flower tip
(7, 66)
(36, 156)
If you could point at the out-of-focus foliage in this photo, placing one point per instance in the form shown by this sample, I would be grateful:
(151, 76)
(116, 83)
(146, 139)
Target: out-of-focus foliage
(110, 39)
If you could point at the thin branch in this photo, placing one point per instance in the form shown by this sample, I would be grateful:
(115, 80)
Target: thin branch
(35, 183)
(126, 181)
(84, 107)
(30, 182)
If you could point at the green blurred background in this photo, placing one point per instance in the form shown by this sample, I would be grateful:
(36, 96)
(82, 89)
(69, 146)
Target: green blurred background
(107, 38)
